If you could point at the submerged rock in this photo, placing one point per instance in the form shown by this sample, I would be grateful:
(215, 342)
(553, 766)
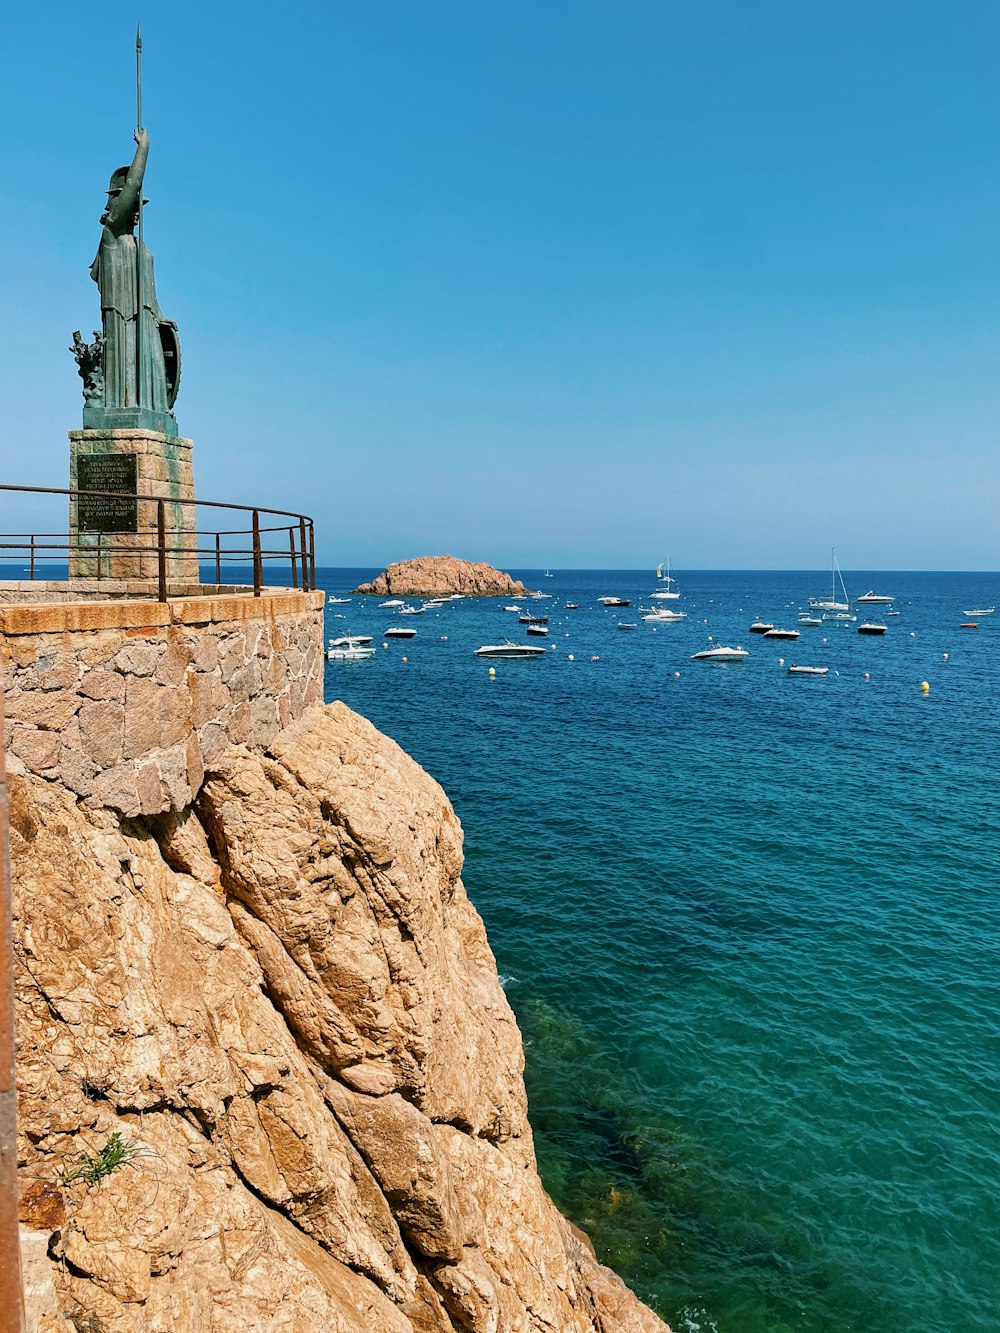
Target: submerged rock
(442, 575)
(283, 1003)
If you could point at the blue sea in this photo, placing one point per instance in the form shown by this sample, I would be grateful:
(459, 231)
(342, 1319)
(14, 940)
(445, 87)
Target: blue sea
(749, 925)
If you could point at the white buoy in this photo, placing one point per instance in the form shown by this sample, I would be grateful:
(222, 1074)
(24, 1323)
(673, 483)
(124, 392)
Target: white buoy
(571, 658)
(493, 671)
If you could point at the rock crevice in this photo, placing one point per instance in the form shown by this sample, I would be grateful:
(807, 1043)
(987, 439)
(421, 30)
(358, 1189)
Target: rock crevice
(282, 1000)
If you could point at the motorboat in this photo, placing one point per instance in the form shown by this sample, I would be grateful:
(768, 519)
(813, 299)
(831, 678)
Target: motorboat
(721, 654)
(412, 610)
(663, 616)
(399, 632)
(614, 601)
(760, 627)
(357, 654)
(969, 624)
(350, 648)
(833, 603)
(627, 624)
(869, 627)
(807, 671)
(838, 615)
(537, 629)
(781, 634)
(338, 601)
(982, 611)
(512, 608)
(873, 597)
(391, 604)
(810, 620)
(572, 606)
(532, 620)
(510, 650)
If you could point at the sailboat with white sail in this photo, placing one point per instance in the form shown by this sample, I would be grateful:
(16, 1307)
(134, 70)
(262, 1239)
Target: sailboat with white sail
(667, 591)
(833, 603)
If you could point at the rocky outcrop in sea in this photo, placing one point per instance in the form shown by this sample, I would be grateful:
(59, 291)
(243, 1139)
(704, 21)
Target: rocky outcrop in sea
(442, 575)
(268, 1077)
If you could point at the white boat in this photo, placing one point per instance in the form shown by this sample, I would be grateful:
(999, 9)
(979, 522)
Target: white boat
(391, 604)
(838, 615)
(510, 650)
(412, 610)
(873, 597)
(338, 601)
(721, 654)
(350, 648)
(982, 611)
(807, 671)
(348, 654)
(512, 608)
(869, 627)
(548, 574)
(761, 626)
(832, 603)
(627, 624)
(777, 633)
(399, 632)
(537, 629)
(614, 601)
(664, 616)
(810, 620)
(666, 580)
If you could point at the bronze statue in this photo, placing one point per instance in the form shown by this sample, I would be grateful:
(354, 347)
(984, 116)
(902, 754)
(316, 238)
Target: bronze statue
(89, 358)
(141, 360)
(140, 351)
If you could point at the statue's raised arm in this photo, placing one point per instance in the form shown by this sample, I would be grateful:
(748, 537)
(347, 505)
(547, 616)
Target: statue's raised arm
(120, 215)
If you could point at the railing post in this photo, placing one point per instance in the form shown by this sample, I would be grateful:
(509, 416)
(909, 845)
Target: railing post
(161, 548)
(218, 560)
(257, 563)
(312, 555)
(304, 552)
(291, 553)
(32, 557)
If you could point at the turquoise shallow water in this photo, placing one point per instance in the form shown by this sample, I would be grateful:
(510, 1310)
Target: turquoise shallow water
(749, 926)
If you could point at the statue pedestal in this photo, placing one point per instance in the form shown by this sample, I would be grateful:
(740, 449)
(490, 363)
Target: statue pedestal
(117, 538)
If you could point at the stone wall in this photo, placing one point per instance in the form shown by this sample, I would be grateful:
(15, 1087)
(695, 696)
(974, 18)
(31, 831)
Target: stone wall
(126, 703)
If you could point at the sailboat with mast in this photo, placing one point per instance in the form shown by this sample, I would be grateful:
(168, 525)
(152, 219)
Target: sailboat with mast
(832, 603)
(667, 591)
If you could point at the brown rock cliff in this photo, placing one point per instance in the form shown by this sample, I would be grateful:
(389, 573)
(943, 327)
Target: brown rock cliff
(284, 1003)
(442, 575)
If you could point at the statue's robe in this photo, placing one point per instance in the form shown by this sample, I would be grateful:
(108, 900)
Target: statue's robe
(114, 271)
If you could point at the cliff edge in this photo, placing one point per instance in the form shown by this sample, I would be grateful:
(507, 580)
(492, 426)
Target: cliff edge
(442, 575)
(268, 1077)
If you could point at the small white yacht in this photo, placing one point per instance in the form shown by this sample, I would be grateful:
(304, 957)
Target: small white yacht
(810, 620)
(510, 650)
(777, 633)
(664, 616)
(982, 611)
(869, 627)
(399, 632)
(873, 597)
(412, 610)
(391, 604)
(807, 671)
(350, 648)
(338, 601)
(721, 654)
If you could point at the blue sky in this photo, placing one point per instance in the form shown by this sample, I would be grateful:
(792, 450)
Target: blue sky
(546, 284)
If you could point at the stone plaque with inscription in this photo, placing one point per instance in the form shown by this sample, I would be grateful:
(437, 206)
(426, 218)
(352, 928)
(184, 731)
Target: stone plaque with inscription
(111, 513)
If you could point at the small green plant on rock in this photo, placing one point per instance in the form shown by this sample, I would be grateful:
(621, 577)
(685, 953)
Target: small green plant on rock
(94, 1166)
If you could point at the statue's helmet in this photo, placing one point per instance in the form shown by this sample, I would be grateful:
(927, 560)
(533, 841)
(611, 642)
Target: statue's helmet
(117, 182)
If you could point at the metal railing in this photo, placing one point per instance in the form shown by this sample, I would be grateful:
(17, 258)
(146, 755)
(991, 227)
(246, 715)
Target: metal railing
(292, 543)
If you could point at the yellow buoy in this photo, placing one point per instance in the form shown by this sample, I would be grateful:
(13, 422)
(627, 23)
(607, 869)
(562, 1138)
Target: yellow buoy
(924, 687)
